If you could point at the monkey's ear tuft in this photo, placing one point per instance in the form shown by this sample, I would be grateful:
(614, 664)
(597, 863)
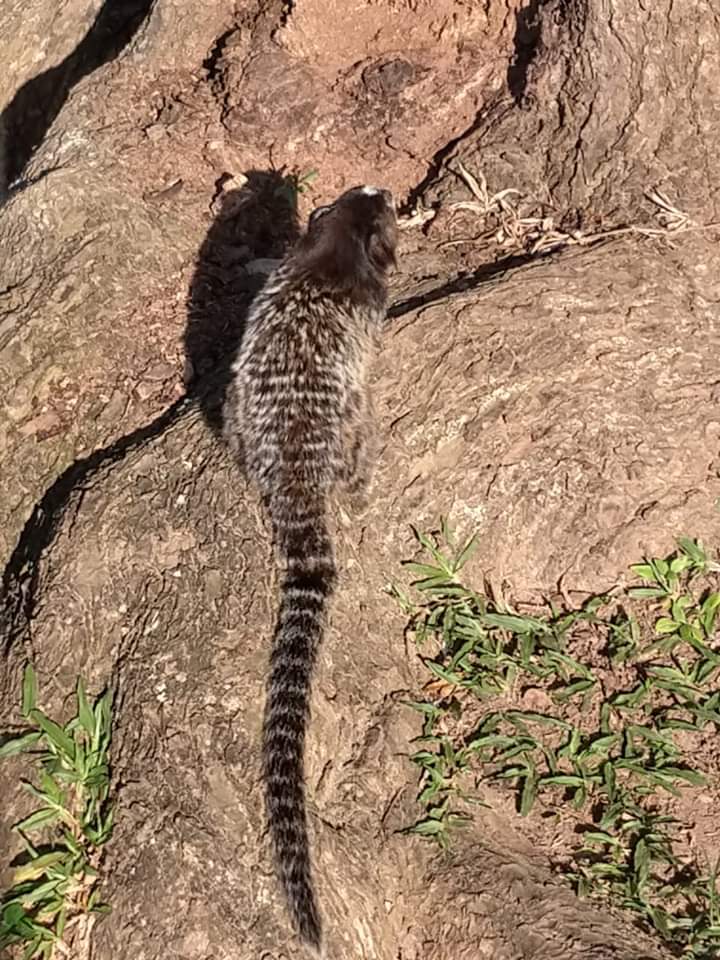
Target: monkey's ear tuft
(317, 213)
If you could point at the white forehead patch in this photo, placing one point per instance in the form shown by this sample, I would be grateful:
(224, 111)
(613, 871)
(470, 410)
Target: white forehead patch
(371, 191)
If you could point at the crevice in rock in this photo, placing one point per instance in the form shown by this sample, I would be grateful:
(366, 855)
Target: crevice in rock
(286, 12)
(464, 283)
(212, 62)
(528, 31)
(19, 579)
(32, 110)
(536, 24)
(438, 161)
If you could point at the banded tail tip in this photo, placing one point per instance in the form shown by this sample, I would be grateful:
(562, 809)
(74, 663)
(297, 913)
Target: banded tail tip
(310, 932)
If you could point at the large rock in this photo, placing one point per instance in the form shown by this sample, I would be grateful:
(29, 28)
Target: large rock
(564, 407)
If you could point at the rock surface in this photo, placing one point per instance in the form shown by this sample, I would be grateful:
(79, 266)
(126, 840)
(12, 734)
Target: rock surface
(564, 406)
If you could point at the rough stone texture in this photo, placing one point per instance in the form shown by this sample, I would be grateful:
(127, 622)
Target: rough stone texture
(614, 99)
(101, 245)
(565, 407)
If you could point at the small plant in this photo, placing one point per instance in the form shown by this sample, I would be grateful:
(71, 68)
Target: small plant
(55, 887)
(602, 743)
(295, 184)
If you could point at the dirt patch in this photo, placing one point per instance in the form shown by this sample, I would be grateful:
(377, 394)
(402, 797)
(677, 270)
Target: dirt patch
(565, 407)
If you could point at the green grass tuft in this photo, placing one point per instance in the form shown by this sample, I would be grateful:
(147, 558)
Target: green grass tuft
(55, 888)
(293, 185)
(627, 687)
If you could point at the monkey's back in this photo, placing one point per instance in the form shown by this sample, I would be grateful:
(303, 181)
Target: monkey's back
(303, 354)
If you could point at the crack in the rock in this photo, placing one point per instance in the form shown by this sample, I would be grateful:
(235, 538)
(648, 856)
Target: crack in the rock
(528, 35)
(441, 156)
(217, 70)
(465, 283)
(211, 63)
(22, 569)
(32, 110)
(286, 12)
(528, 43)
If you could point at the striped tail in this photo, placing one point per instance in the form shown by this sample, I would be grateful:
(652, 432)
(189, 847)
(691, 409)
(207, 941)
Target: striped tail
(304, 543)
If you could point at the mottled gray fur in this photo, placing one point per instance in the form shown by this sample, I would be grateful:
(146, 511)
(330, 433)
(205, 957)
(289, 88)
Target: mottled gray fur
(299, 418)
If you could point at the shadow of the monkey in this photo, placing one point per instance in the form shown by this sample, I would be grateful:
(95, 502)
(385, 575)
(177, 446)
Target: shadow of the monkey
(255, 222)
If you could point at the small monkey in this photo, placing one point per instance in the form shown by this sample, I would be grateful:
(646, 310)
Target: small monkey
(298, 416)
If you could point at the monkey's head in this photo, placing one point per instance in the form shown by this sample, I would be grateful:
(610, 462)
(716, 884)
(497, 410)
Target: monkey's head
(350, 244)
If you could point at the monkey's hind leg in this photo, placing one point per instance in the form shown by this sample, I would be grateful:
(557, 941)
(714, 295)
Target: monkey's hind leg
(231, 432)
(359, 451)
